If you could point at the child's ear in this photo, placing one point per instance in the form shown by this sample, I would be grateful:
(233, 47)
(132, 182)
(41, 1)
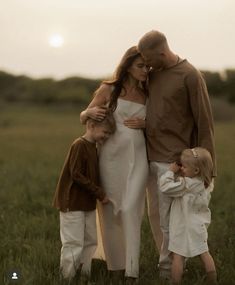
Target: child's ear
(196, 171)
(92, 124)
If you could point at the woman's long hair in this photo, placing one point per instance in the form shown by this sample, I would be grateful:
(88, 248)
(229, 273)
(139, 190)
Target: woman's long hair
(121, 74)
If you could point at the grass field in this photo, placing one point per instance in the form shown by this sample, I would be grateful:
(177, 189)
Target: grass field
(34, 141)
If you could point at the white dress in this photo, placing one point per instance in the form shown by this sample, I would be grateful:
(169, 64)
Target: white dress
(124, 171)
(189, 214)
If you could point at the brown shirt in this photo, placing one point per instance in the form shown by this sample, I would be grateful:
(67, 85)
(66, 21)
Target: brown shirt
(78, 185)
(178, 113)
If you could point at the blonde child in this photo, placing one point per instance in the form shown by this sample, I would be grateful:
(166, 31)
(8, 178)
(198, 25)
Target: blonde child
(189, 214)
(75, 197)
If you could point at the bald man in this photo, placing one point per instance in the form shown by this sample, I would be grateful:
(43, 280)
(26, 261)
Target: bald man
(178, 116)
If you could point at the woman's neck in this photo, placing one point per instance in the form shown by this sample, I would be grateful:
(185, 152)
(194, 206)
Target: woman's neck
(130, 83)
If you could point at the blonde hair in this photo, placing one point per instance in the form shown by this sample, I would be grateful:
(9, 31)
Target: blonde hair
(199, 158)
(108, 122)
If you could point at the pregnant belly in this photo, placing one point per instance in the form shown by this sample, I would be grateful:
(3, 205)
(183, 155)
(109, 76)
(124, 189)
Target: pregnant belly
(123, 144)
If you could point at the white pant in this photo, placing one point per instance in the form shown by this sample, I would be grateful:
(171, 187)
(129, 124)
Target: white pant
(159, 213)
(153, 209)
(79, 241)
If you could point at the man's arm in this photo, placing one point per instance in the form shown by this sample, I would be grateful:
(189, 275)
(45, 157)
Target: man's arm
(202, 113)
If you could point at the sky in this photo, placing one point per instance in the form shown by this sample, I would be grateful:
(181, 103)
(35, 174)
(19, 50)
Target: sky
(96, 33)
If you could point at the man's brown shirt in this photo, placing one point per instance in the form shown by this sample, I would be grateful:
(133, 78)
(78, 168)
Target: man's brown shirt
(178, 113)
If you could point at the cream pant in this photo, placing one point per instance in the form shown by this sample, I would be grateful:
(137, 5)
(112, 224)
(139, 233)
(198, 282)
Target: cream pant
(159, 213)
(79, 241)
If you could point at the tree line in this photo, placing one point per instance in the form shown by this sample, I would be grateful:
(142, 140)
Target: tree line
(78, 90)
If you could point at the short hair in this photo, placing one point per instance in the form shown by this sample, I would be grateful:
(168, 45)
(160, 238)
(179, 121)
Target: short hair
(200, 158)
(108, 122)
(151, 40)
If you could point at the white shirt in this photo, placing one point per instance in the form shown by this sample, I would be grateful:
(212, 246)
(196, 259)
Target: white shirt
(189, 216)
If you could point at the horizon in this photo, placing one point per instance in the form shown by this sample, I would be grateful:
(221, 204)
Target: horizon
(221, 73)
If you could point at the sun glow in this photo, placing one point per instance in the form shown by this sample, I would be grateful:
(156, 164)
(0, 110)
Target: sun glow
(56, 41)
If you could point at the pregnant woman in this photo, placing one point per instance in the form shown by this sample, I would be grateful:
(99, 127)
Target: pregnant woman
(123, 162)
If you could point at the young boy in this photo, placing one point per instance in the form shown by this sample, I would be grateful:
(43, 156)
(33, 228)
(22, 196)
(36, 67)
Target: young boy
(75, 197)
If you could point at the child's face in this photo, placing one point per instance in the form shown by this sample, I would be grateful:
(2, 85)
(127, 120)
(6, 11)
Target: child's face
(100, 134)
(188, 171)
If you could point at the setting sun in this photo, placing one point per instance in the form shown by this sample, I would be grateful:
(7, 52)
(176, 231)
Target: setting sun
(56, 41)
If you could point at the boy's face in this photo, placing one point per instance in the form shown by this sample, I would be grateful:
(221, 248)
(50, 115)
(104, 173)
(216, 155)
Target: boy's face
(100, 134)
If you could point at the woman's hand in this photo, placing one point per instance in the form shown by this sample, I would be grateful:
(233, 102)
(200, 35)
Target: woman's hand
(135, 123)
(97, 113)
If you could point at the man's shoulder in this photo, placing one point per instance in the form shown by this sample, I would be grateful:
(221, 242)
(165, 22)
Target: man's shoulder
(192, 75)
(189, 68)
(184, 67)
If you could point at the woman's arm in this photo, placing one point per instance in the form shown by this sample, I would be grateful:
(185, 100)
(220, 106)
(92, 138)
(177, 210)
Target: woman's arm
(96, 110)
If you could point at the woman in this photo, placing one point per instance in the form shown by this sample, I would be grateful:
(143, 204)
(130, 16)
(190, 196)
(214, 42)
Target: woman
(123, 162)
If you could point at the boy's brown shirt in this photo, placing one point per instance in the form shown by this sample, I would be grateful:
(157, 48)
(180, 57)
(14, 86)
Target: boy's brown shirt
(78, 185)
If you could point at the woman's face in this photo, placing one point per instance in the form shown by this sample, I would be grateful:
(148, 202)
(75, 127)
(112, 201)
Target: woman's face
(139, 70)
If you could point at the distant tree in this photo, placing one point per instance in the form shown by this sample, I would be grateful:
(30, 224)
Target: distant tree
(230, 84)
(79, 90)
(44, 90)
(215, 83)
(76, 90)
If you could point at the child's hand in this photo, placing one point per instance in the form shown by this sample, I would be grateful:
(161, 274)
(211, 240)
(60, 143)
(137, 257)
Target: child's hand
(174, 167)
(105, 200)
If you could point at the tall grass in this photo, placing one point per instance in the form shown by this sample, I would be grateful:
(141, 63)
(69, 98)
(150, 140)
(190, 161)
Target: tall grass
(34, 141)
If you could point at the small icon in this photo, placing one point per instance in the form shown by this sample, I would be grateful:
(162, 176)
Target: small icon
(14, 276)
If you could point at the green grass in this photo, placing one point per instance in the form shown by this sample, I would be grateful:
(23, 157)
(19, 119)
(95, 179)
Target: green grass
(34, 141)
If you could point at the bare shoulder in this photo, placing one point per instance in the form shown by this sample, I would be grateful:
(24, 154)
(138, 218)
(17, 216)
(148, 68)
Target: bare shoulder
(101, 96)
(105, 91)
